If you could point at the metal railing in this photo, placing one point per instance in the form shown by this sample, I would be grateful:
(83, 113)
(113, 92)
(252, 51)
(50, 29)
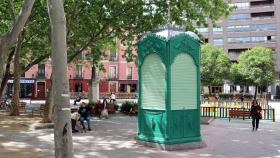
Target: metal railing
(223, 112)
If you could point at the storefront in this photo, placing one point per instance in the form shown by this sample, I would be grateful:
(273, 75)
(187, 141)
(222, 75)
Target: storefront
(27, 88)
(127, 86)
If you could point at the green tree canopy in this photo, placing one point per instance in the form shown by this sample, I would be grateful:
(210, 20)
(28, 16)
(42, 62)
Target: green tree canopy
(257, 66)
(215, 65)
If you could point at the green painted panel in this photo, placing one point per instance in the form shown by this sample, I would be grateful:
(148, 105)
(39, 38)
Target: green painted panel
(184, 123)
(153, 83)
(154, 123)
(183, 83)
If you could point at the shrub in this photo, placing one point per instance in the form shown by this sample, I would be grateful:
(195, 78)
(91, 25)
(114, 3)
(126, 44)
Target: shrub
(230, 96)
(92, 104)
(126, 106)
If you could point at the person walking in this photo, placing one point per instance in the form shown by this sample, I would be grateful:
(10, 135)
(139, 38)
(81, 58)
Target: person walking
(255, 114)
(84, 115)
(104, 111)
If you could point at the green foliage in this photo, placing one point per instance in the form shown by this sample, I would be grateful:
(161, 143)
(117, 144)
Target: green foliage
(230, 96)
(215, 65)
(96, 24)
(36, 43)
(89, 22)
(113, 104)
(92, 104)
(126, 106)
(257, 66)
(237, 77)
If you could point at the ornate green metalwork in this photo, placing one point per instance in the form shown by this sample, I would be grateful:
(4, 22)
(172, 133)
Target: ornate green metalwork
(169, 126)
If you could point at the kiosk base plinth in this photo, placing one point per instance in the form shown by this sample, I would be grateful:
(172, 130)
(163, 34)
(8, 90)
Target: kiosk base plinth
(171, 147)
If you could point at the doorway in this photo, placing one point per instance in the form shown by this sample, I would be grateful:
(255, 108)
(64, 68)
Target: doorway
(40, 90)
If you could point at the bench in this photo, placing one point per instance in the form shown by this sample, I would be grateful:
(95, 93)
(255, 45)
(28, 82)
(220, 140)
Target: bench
(3, 103)
(236, 113)
(40, 110)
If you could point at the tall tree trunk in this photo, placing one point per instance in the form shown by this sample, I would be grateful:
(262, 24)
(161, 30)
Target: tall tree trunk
(209, 89)
(62, 121)
(48, 110)
(10, 37)
(7, 74)
(16, 84)
(91, 84)
(256, 90)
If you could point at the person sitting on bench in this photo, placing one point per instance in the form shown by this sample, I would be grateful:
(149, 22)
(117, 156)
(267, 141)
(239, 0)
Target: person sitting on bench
(77, 99)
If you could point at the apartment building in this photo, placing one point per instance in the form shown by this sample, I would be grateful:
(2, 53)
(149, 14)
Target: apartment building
(254, 23)
(119, 76)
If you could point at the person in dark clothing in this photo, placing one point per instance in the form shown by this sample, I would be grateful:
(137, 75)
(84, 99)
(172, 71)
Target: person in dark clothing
(256, 114)
(84, 115)
(77, 99)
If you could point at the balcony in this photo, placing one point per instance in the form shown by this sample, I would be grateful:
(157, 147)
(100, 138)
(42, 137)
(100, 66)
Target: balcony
(113, 58)
(113, 78)
(41, 75)
(78, 76)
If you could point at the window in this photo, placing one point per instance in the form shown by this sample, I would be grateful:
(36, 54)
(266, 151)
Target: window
(129, 72)
(41, 70)
(238, 28)
(217, 30)
(256, 39)
(79, 71)
(112, 72)
(202, 30)
(218, 42)
(239, 16)
(239, 40)
(122, 88)
(113, 55)
(263, 27)
(244, 5)
(262, 15)
(259, 39)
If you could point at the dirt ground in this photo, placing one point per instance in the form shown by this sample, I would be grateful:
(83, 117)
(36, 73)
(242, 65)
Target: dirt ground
(10, 148)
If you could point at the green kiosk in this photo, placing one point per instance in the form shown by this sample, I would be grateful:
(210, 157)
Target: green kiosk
(169, 89)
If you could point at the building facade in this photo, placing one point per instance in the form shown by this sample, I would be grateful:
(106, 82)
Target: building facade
(254, 23)
(119, 77)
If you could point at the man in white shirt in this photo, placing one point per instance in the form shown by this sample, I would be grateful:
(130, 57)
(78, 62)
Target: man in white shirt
(112, 97)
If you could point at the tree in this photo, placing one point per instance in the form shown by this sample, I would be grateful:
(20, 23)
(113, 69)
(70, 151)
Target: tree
(62, 121)
(108, 20)
(237, 77)
(10, 37)
(257, 66)
(31, 47)
(215, 65)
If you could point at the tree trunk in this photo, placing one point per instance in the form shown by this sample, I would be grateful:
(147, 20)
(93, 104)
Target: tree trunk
(256, 90)
(16, 84)
(48, 110)
(91, 84)
(209, 89)
(62, 121)
(10, 37)
(7, 74)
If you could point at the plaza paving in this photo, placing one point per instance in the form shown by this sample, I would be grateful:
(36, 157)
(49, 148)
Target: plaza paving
(114, 138)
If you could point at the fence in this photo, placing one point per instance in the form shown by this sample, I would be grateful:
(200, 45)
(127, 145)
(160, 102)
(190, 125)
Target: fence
(223, 112)
(233, 104)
